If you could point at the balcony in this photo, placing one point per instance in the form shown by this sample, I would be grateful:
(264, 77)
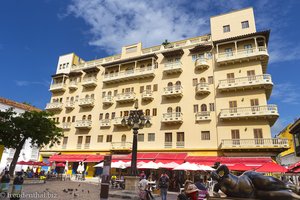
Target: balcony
(268, 112)
(172, 68)
(201, 63)
(173, 91)
(170, 118)
(86, 102)
(70, 105)
(180, 144)
(250, 82)
(78, 146)
(168, 145)
(203, 116)
(139, 73)
(89, 82)
(108, 100)
(86, 145)
(121, 146)
(202, 88)
(105, 123)
(73, 85)
(83, 124)
(117, 121)
(58, 87)
(147, 95)
(261, 53)
(255, 143)
(66, 125)
(56, 106)
(125, 97)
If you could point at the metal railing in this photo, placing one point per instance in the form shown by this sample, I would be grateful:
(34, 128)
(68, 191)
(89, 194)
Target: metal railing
(83, 123)
(180, 144)
(173, 89)
(172, 116)
(243, 53)
(55, 86)
(66, 125)
(87, 101)
(256, 142)
(249, 80)
(54, 105)
(203, 115)
(121, 145)
(129, 73)
(202, 87)
(105, 122)
(147, 93)
(168, 144)
(64, 146)
(87, 145)
(108, 99)
(78, 146)
(70, 104)
(201, 62)
(249, 111)
(125, 96)
(173, 65)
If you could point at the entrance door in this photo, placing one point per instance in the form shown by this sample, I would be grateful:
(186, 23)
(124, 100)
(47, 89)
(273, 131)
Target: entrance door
(254, 105)
(230, 77)
(232, 106)
(258, 136)
(251, 75)
(235, 136)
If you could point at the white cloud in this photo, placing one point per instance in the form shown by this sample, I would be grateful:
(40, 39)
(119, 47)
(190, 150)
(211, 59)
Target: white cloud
(22, 83)
(286, 93)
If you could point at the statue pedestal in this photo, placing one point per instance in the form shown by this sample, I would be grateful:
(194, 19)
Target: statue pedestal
(132, 183)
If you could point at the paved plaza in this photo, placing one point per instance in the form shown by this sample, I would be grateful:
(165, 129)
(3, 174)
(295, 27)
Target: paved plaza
(66, 190)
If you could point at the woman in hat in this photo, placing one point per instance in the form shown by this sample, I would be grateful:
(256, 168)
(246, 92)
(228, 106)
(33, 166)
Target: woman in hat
(192, 192)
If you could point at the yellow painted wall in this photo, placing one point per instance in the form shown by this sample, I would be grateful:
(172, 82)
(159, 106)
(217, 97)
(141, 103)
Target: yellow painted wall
(285, 134)
(1, 151)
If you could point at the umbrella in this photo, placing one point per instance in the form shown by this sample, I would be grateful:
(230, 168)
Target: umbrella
(118, 165)
(205, 168)
(271, 167)
(187, 167)
(149, 165)
(240, 167)
(170, 165)
(60, 165)
(99, 165)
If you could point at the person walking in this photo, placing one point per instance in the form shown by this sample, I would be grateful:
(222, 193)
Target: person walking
(163, 185)
(143, 186)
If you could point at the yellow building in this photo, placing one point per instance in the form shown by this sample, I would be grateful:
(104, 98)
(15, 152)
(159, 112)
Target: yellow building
(1, 151)
(207, 95)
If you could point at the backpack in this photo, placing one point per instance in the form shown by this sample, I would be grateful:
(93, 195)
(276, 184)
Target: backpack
(163, 182)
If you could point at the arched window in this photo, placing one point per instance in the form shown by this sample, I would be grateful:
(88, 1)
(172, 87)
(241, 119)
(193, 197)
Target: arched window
(72, 99)
(147, 112)
(109, 94)
(202, 80)
(69, 119)
(90, 117)
(123, 138)
(83, 117)
(170, 84)
(107, 116)
(87, 96)
(169, 110)
(142, 67)
(178, 109)
(178, 83)
(203, 107)
(92, 96)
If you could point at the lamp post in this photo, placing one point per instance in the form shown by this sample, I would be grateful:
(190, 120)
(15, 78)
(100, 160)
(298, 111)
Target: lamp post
(135, 121)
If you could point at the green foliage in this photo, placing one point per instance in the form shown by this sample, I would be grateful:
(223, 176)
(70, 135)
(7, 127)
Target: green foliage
(38, 126)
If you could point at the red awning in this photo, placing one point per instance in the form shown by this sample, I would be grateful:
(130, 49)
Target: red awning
(68, 157)
(241, 167)
(94, 158)
(271, 167)
(296, 170)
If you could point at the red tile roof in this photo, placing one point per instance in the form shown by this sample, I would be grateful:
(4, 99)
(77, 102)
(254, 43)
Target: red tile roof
(18, 105)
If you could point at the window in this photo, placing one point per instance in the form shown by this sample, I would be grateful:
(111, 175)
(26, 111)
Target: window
(87, 139)
(254, 104)
(64, 119)
(233, 106)
(141, 89)
(151, 137)
(123, 138)
(169, 110)
(196, 108)
(245, 24)
(100, 116)
(103, 94)
(228, 52)
(210, 80)
(194, 57)
(107, 116)
(69, 119)
(79, 140)
(154, 112)
(235, 136)
(113, 115)
(115, 92)
(147, 112)
(155, 87)
(141, 137)
(108, 138)
(205, 135)
(180, 139)
(212, 107)
(148, 87)
(73, 119)
(195, 81)
(126, 113)
(226, 28)
(258, 136)
(178, 109)
(248, 48)
(230, 77)
(202, 80)
(251, 75)
(203, 108)
(100, 138)
(168, 137)
(89, 117)
(65, 140)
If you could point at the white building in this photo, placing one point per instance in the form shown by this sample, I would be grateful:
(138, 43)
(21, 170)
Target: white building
(27, 153)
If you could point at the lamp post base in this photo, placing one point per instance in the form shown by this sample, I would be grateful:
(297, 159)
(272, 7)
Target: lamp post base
(132, 183)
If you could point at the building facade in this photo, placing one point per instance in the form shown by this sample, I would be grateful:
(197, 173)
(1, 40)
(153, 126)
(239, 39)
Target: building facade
(27, 153)
(206, 95)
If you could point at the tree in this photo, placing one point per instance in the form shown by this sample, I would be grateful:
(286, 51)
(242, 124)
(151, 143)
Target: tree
(15, 129)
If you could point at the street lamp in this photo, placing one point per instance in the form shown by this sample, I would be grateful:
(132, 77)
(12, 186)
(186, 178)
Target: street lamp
(135, 121)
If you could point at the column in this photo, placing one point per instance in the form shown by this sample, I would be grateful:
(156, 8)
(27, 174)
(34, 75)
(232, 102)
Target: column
(235, 45)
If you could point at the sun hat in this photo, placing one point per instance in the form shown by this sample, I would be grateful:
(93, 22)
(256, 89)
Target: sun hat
(191, 189)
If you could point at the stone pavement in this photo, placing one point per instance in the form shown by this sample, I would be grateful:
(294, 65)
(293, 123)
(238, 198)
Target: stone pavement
(68, 190)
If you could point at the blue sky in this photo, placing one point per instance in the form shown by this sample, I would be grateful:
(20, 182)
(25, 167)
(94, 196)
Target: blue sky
(33, 33)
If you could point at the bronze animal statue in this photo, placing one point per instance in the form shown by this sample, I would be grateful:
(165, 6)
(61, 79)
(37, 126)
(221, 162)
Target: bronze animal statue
(251, 185)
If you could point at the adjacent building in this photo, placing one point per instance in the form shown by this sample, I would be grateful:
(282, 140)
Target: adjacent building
(28, 152)
(205, 96)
